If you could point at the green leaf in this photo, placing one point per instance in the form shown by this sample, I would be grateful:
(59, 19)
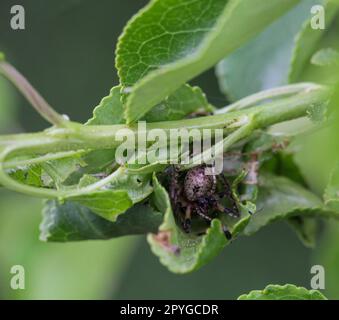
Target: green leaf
(87, 180)
(124, 191)
(72, 222)
(147, 169)
(183, 102)
(307, 42)
(69, 171)
(180, 252)
(2, 56)
(186, 100)
(109, 111)
(331, 195)
(98, 160)
(326, 57)
(287, 167)
(280, 198)
(263, 62)
(108, 203)
(170, 42)
(286, 292)
(282, 164)
(29, 175)
(306, 229)
(60, 170)
(138, 186)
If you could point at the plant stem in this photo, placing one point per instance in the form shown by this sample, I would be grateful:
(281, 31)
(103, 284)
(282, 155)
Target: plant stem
(79, 137)
(28, 91)
(264, 115)
(269, 94)
(222, 146)
(52, 193)
(48, 157)
(76, 137)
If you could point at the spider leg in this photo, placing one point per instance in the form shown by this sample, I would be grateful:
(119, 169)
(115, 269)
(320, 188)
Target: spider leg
(187, 223)
(174, 188)
(233, 213)
(227, 192)
(177, 202)
(226, 231)
(204, 216)
(227, 188)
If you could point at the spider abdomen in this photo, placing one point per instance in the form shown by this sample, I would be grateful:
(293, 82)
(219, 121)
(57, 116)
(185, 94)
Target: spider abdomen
(198, 185)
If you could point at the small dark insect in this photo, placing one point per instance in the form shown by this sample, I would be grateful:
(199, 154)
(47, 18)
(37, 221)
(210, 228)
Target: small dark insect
(196, 193)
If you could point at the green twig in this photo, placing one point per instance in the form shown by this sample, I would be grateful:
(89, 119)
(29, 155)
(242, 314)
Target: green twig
(76, 137)
(28, 91)
(269, 94)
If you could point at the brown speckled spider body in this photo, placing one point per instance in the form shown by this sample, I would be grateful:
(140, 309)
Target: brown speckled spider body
(198, 185)
(195, 193)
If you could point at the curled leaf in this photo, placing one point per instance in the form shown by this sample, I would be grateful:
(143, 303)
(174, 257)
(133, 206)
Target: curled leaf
(71, 221)
(180, 252)
(106, 203)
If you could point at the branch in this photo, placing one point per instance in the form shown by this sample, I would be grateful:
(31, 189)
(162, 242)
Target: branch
(76, 137)
(269, 94)
(28, 91)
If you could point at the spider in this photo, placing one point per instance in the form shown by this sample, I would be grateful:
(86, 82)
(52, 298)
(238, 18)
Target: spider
(195, 193)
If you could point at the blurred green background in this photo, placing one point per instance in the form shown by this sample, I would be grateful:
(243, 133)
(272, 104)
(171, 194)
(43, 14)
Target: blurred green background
(67, 52)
